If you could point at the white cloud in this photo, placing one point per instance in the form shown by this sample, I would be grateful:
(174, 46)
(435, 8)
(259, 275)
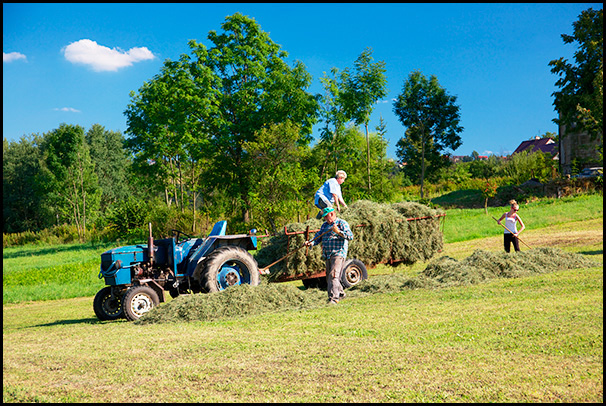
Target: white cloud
(68, 109)
(12, 56)
(101, 58)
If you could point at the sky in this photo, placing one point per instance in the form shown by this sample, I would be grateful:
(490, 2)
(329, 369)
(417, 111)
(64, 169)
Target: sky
(78, 63)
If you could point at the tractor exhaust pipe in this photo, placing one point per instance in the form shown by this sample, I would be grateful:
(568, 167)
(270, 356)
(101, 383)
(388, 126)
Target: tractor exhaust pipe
(150, 245)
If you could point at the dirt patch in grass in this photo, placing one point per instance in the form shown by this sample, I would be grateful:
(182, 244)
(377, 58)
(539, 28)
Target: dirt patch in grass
(479, 267)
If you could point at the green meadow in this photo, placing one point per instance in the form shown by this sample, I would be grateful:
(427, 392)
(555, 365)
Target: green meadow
(536, 338)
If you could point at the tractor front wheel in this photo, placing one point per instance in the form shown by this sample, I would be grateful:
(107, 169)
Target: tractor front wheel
(107, 307)
(138, 300)
(229, 266)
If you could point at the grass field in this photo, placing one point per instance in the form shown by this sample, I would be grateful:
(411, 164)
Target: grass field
(531, 339)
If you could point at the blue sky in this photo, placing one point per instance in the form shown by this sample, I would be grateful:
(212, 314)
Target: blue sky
(77, 63)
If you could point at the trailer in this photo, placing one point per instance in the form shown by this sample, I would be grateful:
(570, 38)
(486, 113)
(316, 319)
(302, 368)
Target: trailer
(354, 270)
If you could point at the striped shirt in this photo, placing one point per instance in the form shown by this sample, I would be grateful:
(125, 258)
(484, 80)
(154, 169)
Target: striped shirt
(332, 243)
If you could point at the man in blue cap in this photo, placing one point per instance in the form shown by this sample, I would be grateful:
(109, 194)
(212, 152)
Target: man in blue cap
(334, 250)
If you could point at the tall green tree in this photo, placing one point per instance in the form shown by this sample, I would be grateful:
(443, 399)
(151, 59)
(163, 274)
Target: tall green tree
(168, 129)
(431, 117)
(70, 179)
(579, 100)
(382, 163)
(112, 163)
(362, 88)
(352, 152)
(256, 88)
(22, 207)
(282, 185)
(333, 116)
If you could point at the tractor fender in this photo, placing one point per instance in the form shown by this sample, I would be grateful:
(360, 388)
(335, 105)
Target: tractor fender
(245, 241)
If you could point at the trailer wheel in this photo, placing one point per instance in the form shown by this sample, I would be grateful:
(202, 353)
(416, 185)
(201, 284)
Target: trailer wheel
(138, 300)
(354, 272)
(228, 266)
(106, 307)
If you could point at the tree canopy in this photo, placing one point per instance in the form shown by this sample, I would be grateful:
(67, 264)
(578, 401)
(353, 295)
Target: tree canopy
(431, 117)
(579, 100)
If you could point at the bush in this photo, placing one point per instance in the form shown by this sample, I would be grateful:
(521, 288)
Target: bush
(61, 234)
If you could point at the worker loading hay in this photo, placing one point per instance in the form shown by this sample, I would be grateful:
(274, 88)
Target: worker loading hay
(384, 233)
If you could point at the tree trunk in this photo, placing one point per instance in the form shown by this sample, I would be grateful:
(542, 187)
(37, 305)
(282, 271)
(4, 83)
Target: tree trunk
(422, 164)
(367, 154)
(181, 186)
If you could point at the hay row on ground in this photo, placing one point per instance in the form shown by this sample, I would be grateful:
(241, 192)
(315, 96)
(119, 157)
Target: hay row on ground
(381, 231)
(237, 301)
(481, 266)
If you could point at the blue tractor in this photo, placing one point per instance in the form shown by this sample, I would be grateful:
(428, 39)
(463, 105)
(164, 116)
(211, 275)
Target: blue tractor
(137, 275)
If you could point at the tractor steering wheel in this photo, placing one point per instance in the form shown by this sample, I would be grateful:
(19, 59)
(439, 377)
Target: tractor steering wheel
(180, 233)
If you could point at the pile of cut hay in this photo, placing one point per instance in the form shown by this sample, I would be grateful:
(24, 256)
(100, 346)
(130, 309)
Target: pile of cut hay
(382, 233)
(236, 301)
(481, 266)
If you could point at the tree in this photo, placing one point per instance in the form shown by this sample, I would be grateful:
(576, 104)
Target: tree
(523, 166)
(490, 191)
(431, 118)
(381, 164)
(361, 90)
(579, 100)
(254, 89)
(21, 202)
(70, 177)
(331, 112)
(281, 184)
(351, 153)
(166, 121)
(112, 163)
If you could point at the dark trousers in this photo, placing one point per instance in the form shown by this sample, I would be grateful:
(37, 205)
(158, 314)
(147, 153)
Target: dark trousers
(510, 238)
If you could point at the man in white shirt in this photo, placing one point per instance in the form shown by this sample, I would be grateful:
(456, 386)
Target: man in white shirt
(329, 193)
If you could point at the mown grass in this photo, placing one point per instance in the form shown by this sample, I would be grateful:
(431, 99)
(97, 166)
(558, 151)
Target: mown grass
(529, 339)
(536, 339)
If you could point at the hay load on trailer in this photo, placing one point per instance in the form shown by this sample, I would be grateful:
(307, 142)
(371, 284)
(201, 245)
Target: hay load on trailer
(383, 233)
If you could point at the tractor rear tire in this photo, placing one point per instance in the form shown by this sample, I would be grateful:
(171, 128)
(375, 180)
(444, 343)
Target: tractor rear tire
(138, 300)
(105, 307)
(228, 266)
(354, 272)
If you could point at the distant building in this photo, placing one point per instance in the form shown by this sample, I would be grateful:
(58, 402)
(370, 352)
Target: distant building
(482, 157)
(578, 146)
(538, 144)
(458, 158)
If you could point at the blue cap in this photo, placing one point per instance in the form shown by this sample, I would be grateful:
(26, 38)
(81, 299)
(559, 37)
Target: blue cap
(326, 211)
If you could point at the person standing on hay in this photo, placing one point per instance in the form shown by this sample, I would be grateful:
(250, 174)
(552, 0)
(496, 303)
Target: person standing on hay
(334, 250)
(511, 233)
(329, 193)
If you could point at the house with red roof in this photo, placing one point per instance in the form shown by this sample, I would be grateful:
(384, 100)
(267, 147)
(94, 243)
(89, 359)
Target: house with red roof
(538, 144)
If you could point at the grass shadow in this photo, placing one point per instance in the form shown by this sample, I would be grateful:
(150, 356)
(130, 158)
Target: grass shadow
(460, 199)
(88, 320)
(596, 252)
